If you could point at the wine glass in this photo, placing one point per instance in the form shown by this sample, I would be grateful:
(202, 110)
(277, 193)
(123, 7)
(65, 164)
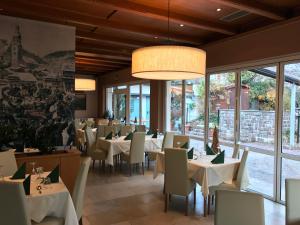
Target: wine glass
(39, 171)
(33, 171)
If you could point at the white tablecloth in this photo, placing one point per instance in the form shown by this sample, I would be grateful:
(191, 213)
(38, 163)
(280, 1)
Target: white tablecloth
(205, 173)
(120, 145)
(54, 200)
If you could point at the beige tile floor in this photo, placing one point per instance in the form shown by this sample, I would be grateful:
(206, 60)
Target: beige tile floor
(138, 200)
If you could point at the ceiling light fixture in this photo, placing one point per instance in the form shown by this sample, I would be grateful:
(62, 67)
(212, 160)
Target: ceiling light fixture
(219, 9)
(83, 84)
(155, 37)
(182, 25)
(168, 62)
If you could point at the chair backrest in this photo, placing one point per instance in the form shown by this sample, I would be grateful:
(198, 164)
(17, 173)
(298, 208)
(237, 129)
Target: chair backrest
(90, 140)
(242, 167)
(292, 199)
(13, 206)
(140, 128)
(168, 140)
(100, 131)
(137, 147)
(8, 163)
(176, 171)
(108, 129)
(79, 187)
(102, 122)
(125, 130)
(180, 140)
(90, 122)
(117, 128)
(239, 208)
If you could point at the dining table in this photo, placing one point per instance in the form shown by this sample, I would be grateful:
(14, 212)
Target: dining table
(204, 172)
(119, 145)
(51, 200)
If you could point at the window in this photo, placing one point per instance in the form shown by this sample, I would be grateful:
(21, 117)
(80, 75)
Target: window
(135, 104)
(145, 118)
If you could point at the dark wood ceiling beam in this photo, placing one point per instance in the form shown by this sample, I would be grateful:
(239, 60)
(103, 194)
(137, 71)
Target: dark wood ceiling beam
(109, 39)
(155, 13)
(81, 62)
(67, 15)
(101, 61)
(101, 55)
(105, 49)
(253, 7)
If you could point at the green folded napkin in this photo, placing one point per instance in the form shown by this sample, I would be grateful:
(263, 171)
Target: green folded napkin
(26, 185)
(20, 173)
(149, 132)
(185, 145)
(219, 159)
(109, 136)
(154, 135)
(190, 153)
(129, 136)
(209, 151)
(54, 175)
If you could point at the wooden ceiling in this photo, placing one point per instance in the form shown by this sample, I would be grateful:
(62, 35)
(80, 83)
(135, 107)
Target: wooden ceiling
(107, 31)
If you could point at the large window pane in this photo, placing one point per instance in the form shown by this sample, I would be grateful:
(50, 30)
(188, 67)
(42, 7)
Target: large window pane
(146, 105)
(291, 110)
(194, 107)
(221, 109)
(135, 104)
(257, 115)
(174, 106)
(290, 169)
(109, 99)
(260, 169)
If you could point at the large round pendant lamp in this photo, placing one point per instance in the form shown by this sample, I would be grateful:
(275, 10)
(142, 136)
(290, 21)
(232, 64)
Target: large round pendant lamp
(168, 62)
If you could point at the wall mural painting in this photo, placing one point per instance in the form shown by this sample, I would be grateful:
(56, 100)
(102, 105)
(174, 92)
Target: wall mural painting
(36, 83)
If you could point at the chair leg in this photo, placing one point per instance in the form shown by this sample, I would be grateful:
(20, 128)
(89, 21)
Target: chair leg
(195, 197)
(204, 205)
(143, 168)
(208, 205)
(186, 205)
(130, 169)
(80, 221)
(93, 164)
(166, 202)
(212, 199)
(148, 162)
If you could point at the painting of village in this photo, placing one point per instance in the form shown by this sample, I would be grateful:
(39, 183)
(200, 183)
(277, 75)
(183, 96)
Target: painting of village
(36, 83)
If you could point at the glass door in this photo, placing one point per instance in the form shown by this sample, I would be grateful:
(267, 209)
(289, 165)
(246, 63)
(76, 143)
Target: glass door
(120, 104)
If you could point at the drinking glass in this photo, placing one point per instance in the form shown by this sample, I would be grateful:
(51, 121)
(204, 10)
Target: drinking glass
(33, 172)
(39, 171)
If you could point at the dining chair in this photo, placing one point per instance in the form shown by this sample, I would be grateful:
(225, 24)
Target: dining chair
(166, 143)
(79, 187)
(13, 207)
(177, 181)
(236, 184)
(117, 128)
(292, 199)
(108, 130)
(94, 150)
(140, 128)
(102, 122)
(239, 208)
(100, 131)
(135, 156)
(180, 140)
(125, 130)
(8, 163)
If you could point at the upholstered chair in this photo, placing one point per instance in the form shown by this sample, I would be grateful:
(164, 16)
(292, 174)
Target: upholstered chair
(177, 181)
(79, 187)
(100, 131)
(94, 150)
(13, 207)
(136, 153)
(180, 140)
(8, 163)
(167, 143)
(102, 122)
(140, 128)
(108, 130)
(125, 130)
(236, 184)
(239, 208)
(117, 128)
(292, 199)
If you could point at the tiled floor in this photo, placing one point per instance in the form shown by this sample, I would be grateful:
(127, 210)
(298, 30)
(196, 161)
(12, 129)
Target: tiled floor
(138, 200)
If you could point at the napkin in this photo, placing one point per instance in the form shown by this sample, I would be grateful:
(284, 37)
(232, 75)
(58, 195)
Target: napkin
(154, 135)
(209, 151)
(190, 153)
(26, 185)
(20, 173)
(219, 159)
(185, 145)
(109, 136)
(129, 136)
(54, 175)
